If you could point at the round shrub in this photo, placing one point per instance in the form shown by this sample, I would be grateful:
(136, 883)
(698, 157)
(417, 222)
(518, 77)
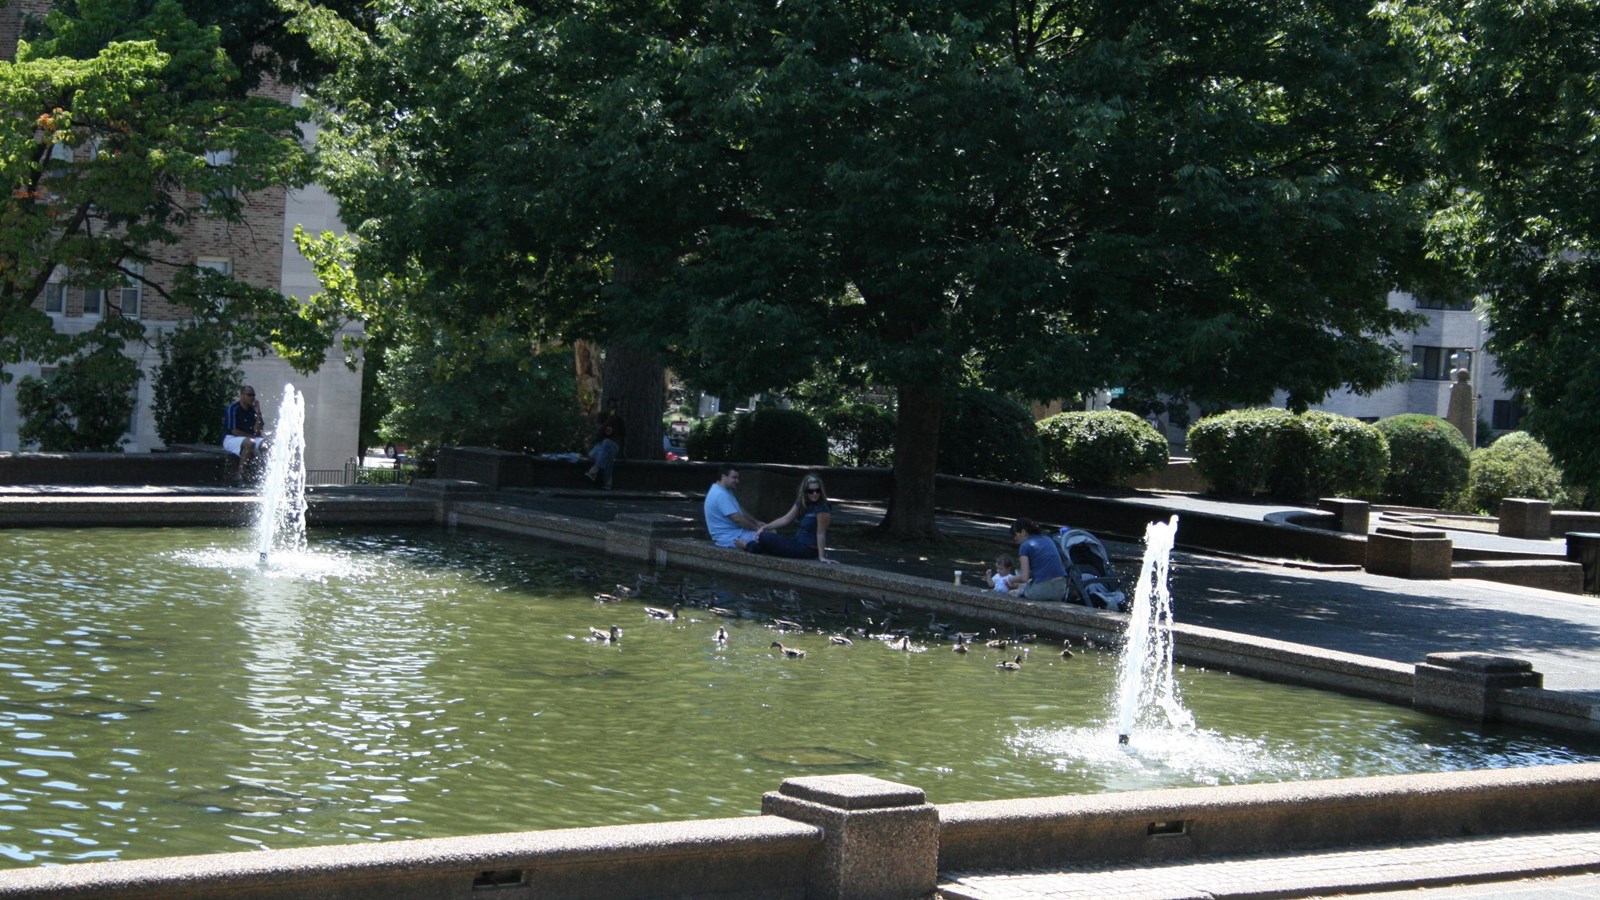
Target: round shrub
(772, 435)
(990, 436)
(1100, 449)
(1276, 452)
(860, 434)
(1428, 460)
(1516, 465)
(711, 440)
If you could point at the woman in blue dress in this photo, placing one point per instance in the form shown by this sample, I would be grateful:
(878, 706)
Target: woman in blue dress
(814, 514)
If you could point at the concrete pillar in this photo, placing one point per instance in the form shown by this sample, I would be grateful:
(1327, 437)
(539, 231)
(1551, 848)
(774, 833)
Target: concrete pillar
(1521, 518)
(635, 535)
(881, 838)
(1406, 552)
(1583, 548)
(1354, 515)
(1463, 684)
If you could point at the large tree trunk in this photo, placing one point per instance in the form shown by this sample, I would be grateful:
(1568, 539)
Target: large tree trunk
(633, 375)
(916, 459)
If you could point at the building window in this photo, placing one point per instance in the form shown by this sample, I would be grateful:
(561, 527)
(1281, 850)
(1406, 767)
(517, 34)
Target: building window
(131, 295)
(1508, 414)
(55, 294)
(217, 160)
(94, 301)
(1428, 301)
(1435, 363)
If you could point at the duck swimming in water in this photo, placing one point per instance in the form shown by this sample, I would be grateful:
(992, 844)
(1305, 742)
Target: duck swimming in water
(722, 635)
(841, 640)
(1010, 665)
(670, 615)
(790, 652)
(606, 637)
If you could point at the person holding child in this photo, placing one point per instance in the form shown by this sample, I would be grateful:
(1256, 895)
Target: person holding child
(814, 514)
(1043, 576)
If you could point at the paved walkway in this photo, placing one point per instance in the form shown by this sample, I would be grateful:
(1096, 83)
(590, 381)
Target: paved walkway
(1440, 868)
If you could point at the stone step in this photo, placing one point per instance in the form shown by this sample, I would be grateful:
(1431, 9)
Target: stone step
(1547, 574)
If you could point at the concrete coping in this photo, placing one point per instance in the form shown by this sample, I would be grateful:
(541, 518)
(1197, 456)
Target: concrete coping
(852, 791)
(1486, 663)
(1411, 531)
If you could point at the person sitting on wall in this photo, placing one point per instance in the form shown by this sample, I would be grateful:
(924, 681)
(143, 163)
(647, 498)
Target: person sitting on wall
(1041, 575)
(241, 428)
(727, 522)
(606, 445)
(812, 509)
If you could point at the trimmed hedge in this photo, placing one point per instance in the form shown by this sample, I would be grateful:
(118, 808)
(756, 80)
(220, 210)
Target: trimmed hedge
(1516, 465)
(1101, 448)
(766, 435)
(1276, 452)
(1428, 460)
(860, 434)
(990, 436)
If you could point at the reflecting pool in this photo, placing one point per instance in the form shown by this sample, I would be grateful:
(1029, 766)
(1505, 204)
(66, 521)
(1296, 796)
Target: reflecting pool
(162, 694)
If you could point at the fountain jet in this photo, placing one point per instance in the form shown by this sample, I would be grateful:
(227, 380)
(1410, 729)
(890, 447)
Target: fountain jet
(281, 521)
(1147, 692)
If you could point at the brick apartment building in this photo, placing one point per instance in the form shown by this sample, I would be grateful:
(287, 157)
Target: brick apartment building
(258, 250)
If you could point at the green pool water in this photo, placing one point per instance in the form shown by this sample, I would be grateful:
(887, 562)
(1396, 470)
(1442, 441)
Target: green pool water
(162, 694)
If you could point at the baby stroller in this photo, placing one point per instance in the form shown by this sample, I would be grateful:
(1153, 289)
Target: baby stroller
(1089, 577)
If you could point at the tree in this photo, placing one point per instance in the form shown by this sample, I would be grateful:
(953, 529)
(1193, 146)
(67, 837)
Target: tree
(1515, 115)
(193, 383)
(126, 122)
(84, 405)
(1201, 199)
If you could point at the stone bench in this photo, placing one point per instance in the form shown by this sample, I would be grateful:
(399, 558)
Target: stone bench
(1408, 552)
(1353, 516)
(1527, 519)
(1546, 574)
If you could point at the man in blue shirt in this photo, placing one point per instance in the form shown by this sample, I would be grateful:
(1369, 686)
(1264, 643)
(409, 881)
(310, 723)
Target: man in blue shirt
(726, 520)
(241, 427)
(1040, 572)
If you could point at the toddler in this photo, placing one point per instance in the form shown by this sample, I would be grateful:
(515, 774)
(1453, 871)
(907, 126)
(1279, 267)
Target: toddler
(1004, 565)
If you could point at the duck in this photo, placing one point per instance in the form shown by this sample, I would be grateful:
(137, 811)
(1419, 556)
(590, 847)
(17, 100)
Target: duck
(789, 652)
(722, 635)
(961, 644)
(1010, 665)
(935, 625)
(606, 637)
(607, 598)
(723, 612)
(998, 644)
(670, 615)
(841, 640)
(788, 625)
(903, 642)
(1066, 649)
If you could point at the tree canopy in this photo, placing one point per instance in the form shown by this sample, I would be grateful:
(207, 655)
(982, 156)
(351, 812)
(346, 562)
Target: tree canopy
(127, 122)
(1203, 199)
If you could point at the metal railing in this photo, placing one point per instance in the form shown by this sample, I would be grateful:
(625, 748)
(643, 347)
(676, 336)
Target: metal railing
(355, 473)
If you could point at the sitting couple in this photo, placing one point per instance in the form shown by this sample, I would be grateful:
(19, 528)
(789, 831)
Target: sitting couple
(731, 526)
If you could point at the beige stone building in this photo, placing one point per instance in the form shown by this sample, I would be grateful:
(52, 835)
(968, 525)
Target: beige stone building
(258, 250)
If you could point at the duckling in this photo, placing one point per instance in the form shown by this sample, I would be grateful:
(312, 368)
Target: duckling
(722, 635)
(1066, 649)
(606, 637)
(789, 652)
(841, 640)
(1010, 665)
(670, 615)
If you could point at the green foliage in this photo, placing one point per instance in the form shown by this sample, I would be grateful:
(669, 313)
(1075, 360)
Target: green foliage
(711, 440)
(84, 406)
(1100, 449)
(115, 116)
(860, 434)
(475, 391)
(1516, 465)
(991, 436)
(765, 435)
(1050, 198)
(1511, 107)
(1428, 460)
(193, 386)
(1293, 456)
